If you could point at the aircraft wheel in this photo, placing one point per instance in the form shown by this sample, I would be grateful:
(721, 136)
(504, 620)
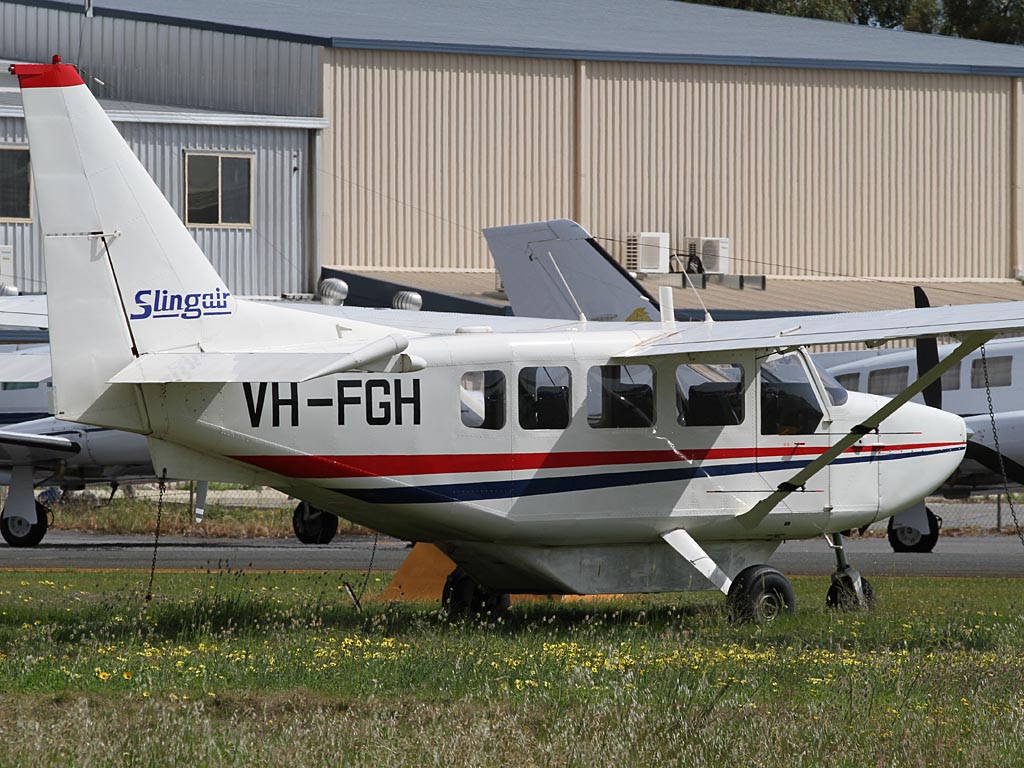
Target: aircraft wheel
(904, 538)
(760, 593)
(463, 596)
(842, 596)
(18, 532)
(312, 525)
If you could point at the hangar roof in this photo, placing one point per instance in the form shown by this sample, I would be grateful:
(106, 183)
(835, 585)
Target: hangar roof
(613, 30)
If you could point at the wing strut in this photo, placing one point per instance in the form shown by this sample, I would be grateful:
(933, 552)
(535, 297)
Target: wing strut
(757, 513)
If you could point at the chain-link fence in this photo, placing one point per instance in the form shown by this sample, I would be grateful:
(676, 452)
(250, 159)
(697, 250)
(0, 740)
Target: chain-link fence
(272, 509)
(218, 495)
(976, 514)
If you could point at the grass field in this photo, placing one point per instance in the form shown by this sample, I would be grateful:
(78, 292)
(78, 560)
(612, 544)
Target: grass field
(278, 669)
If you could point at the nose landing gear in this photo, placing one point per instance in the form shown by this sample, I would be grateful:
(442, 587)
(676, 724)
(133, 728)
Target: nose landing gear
(849, 590)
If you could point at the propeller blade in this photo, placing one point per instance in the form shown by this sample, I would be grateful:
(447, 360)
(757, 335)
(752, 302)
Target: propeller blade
(989, 459)
(927, 356)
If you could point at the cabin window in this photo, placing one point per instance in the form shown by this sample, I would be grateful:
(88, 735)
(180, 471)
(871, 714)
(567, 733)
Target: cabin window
(545, 397)
(998, 372)
(709, 395)
(849, 381)
(12, 385)
(482, 399)
(620, 396)
(15, 185)
(218, 190)
(788, 403)
(888, 381)
(951, 378)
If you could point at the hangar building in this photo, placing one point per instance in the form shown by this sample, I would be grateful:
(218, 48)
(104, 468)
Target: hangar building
(819, 149)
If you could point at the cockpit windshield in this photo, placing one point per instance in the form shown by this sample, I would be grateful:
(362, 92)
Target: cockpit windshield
(836, 392)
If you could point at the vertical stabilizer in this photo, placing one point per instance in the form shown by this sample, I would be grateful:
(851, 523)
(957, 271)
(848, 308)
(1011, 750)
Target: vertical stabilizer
(115, 292)
(556, 269)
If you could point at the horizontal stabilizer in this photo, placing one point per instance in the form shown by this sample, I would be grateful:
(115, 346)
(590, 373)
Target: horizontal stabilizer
(226, 367)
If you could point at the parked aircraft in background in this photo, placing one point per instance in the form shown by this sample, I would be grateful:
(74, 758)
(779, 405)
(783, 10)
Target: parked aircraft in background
(966, 389)
(540, 455)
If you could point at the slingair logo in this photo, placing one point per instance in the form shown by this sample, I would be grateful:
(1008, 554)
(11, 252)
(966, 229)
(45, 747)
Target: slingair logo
(159, 303)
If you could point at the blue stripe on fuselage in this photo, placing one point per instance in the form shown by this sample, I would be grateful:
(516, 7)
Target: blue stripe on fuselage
(538, 486)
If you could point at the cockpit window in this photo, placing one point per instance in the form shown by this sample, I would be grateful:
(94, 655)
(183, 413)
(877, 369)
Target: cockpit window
(545, 397)
(709, 395)
(482, 399)
(620, 396)
(788, 403)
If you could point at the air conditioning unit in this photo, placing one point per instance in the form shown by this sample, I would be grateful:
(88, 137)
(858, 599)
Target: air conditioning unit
(713, 253)
(647, 252)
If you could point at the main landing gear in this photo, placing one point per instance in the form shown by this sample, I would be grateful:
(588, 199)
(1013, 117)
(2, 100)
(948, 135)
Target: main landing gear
(312, 525)
(464, 596)
(906, 538)
(19, 532)
(760, 593)
(849, 590)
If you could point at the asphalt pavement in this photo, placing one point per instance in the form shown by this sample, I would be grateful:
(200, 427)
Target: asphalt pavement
(996, 556)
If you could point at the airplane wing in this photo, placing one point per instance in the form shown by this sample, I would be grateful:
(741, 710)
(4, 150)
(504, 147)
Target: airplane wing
(538, 263)
(24, 311)
(872, 328)
(21, 448)
(17, 367)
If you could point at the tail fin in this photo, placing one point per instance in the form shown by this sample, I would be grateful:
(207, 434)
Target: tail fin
(556, 269)
(115, 292)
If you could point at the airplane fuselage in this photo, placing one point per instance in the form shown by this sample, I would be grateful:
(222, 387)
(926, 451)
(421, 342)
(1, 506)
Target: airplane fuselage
(547, 454)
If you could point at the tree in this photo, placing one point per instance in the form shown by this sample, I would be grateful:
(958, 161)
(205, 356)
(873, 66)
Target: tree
(999, 21)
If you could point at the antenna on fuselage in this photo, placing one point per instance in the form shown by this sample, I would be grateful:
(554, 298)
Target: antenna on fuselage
(707, 315)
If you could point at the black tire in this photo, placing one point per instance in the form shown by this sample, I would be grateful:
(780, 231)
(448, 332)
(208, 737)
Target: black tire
(903, 538)
(312, 525)
(18, 533)
(841, 595)
(761, 594)
(463, 596)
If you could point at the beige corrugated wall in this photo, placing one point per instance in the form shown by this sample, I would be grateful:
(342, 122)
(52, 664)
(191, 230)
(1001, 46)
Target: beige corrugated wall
(426, 149)
(809, 172)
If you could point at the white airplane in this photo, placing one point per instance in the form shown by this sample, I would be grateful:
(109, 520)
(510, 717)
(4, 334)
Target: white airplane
(978, 390)
(37, 449)
(540, 455)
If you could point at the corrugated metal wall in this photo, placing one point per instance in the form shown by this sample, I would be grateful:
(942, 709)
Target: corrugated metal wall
(163, 64)
(427, 149)
(272, 257)
(809, 172)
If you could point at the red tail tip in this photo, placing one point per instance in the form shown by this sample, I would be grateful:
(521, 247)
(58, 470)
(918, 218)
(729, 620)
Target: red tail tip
(55, 75)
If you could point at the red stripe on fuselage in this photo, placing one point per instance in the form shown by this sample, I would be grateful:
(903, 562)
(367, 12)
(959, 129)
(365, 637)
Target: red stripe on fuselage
(453, 464)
